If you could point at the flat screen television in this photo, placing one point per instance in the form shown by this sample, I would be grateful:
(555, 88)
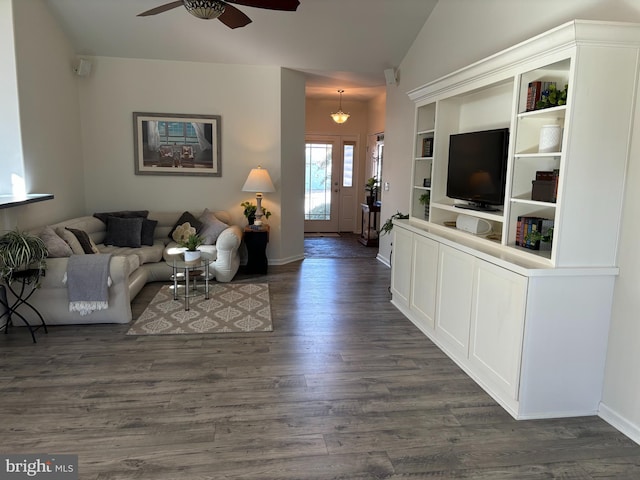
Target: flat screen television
(478, 168)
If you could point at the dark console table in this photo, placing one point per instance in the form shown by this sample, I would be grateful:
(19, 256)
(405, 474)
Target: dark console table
(369, 225)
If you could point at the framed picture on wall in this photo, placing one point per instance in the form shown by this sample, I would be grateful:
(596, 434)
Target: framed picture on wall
(177, 144)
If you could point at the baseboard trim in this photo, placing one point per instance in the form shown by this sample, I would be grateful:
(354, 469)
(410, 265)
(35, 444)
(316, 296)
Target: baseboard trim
(383, 260)
(284, 261)
(620, 423)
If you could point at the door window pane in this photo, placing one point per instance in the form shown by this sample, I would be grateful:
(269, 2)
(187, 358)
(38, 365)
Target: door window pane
(317, 182)
(347, 168)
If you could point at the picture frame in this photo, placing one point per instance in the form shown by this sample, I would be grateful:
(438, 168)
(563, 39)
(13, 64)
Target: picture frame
(177, 144)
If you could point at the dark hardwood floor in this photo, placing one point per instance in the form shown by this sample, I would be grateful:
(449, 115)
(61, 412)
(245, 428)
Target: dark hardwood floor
(343, 388)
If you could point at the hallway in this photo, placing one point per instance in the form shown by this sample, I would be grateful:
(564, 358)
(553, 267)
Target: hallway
(345, 245)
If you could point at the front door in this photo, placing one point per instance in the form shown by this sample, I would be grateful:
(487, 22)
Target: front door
(330, 195)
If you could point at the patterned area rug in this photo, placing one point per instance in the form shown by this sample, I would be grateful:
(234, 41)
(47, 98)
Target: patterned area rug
(231, 308)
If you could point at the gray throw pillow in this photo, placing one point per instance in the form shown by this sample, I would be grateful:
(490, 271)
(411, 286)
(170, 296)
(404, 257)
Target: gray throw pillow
(212, 227)
(123, 232)
(56, 246)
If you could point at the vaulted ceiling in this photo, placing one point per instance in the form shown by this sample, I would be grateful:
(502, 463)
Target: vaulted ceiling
(336, 43)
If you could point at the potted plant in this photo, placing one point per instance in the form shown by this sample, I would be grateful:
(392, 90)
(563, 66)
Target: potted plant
(424, 199)
(387, 226)
(371, 187)
(536, 236)
(553, 97)
(21, 252)
(191, 243)
(185, 235)
(250, 211)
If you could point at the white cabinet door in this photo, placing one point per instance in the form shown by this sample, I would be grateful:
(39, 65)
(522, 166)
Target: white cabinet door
(497, 324)
(424, 280)
(455, 293)
(401, 262)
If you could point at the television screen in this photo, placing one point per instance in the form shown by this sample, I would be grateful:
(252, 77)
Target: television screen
(478, 167)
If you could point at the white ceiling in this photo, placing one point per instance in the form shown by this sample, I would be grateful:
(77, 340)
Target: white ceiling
(338, 43)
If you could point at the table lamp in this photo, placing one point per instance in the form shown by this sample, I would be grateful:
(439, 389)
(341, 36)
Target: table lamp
(258, 181)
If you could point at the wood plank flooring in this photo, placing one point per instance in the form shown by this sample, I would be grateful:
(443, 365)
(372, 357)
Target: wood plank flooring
(343, 388)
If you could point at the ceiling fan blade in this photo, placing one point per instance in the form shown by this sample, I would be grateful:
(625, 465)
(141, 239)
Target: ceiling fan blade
(287, 5)
(233, 18)
(162, 8)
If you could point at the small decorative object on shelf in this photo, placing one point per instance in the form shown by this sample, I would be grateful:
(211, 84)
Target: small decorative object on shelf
(427, 147)
(545, 186)
(550, 139)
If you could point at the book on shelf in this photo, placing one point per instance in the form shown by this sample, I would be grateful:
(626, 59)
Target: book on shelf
(533, 95)
(526, 226)
(535, 91)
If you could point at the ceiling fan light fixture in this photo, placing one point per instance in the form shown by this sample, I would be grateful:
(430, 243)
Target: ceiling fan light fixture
(340, 116)
(204, 9)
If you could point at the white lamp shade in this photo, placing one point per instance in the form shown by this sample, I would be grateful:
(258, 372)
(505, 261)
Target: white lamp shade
(258, 181)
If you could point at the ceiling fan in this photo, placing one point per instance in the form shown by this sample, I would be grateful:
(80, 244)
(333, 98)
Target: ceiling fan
(223, 10)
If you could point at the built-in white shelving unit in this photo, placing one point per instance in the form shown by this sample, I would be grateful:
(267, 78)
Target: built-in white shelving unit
(529, 325)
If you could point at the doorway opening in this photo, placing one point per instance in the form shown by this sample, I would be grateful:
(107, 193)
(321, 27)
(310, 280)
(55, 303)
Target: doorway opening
(330, 178)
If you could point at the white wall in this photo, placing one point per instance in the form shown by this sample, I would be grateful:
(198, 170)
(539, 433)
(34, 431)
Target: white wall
(246, 97)
(376, 116)
(49, 117)
(460, 32)
(291, 183)
(10, 146)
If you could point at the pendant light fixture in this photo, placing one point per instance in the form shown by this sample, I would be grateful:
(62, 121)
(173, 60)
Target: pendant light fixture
(340, 116)
(204, 9)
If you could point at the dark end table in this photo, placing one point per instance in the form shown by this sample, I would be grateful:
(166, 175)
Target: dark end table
(256, 242)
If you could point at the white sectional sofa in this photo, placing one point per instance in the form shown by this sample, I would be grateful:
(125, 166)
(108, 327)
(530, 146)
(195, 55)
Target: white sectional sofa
(130, 267)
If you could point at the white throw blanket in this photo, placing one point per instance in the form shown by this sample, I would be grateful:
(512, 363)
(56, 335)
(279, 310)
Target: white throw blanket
(88, 282)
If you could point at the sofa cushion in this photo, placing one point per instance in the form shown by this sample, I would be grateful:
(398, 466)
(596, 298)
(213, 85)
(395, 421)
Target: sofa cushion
(184, 218)
(71, 240)
(123, 232)
(56, 246)
(212, 227)
(145, 253)
(85, 240)
(122, 214)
